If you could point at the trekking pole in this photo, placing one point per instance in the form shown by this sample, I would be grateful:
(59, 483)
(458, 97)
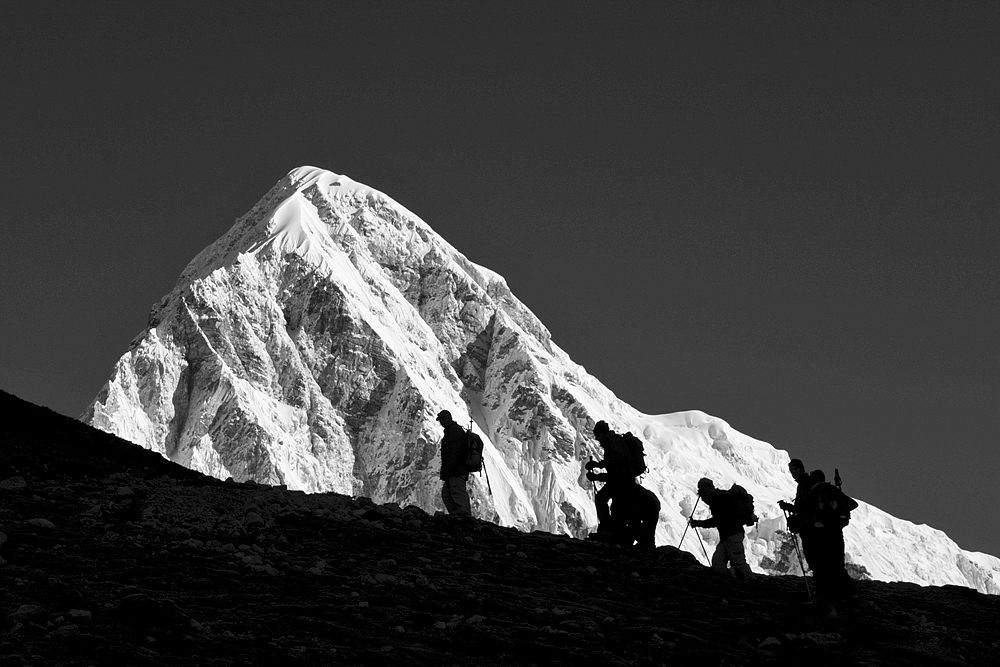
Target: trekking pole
(703, 549)
(802, 563)
(485, 471)
(684, 534)
(836, 478)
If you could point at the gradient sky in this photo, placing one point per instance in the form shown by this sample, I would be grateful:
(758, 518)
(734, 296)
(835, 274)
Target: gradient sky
(783, 214)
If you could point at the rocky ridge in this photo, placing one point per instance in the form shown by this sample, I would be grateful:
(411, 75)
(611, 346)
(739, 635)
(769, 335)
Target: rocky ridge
(113, 555)
(312, 345)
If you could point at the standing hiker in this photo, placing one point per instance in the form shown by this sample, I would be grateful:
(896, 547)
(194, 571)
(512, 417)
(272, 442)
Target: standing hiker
(827, 511)
(797, 508)
(619, 479)
(726, 516)
(798, 522)
(454, 491)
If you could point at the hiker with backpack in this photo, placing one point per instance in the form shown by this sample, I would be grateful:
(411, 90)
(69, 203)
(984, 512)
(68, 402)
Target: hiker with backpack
(827, 511)
(619, 481)
(454, 474)
(729, 515)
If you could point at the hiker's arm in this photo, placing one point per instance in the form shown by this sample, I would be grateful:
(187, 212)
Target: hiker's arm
(598, 476)
(594, 464)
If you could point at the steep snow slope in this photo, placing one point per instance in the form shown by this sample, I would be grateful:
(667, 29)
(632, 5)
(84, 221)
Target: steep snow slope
(313, 344)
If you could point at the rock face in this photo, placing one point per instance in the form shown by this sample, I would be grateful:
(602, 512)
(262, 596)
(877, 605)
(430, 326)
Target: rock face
(314, 343)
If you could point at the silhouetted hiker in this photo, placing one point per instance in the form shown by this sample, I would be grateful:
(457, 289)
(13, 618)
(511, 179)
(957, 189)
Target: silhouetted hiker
(454, 491)
(797, 521)
(796, 509)
(827, 510)
(726, 517)
(637, 514)
(619, 479)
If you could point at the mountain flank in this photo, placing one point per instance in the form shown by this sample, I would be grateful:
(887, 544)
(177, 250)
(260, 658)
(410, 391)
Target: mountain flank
(111, 554)
(312, 345)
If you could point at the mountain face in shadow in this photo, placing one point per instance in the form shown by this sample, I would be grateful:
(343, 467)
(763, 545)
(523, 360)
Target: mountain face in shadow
(111, 554)
(312, 345)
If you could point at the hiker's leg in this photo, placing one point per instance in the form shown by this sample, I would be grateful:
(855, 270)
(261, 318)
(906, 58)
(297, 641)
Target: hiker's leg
(719, 559)
(843, 584)
(601, 499)
(459, 491)
(736, 554)
(449, 503)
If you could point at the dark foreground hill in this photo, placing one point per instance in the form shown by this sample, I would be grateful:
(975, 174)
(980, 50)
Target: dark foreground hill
(114, 555)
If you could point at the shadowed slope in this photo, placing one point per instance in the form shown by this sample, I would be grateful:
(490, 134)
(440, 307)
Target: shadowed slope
(142, 561)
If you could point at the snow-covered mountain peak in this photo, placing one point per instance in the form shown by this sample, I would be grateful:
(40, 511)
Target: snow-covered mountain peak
(313, 344)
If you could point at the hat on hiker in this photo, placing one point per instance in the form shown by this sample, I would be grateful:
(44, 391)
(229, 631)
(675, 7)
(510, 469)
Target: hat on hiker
(705, 484)
(444, 415)
(601, 428)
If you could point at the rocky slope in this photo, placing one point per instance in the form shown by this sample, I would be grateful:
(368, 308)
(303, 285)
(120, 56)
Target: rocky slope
(110, 554)
(312, 345)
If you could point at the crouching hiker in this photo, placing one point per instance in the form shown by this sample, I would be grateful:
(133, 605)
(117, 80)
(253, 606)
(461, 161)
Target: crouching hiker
(727, 516)
(454, 491)
(637, 516)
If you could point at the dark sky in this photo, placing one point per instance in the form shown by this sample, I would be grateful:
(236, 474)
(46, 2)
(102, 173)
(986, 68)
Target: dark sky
(783, 214)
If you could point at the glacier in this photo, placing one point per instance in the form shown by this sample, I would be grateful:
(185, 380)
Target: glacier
(313, 344)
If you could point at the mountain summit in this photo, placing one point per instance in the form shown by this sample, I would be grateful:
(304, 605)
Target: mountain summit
(314, 343)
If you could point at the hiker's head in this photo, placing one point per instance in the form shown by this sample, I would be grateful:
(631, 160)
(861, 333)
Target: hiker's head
(817, 477)
(601, 431)
(444, 418)
(796, 468)
(706, 487)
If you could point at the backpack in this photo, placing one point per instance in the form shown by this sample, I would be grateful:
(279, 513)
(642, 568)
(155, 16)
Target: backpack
(474, 446)
(831, 506)
(741, 504)
(636, 454)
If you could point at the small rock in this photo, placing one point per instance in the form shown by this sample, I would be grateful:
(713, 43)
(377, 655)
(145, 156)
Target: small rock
(635, 575)
(386, 578)
(27, 613)
(41, 523)
(591, 569)
(67, 630)
(13, 484)
(477, 620)
(824, 638)
(400, 628)
(125, 491)
(253, 519)
(80, 614)
(769, 643)
(363, 605)
(440, 625)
